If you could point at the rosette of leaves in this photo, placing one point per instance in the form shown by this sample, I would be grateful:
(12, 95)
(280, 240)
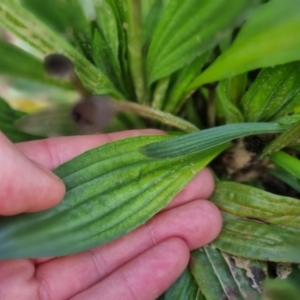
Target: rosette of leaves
(223, 77)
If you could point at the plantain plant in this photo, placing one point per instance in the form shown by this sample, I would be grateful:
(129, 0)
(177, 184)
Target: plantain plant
(222, 77)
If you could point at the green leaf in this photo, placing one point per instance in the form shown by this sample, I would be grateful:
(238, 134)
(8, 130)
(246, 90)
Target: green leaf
(45, 41)
(283, 140)
(205, 139)
(147, 6)
(151, 18)
(288, 120)
(187, 29)
(182, 79)
(203, 271)
(160, 92)
(134, 44)
(287, 162)
(277, 289)
(230, 111)
(107, 15)
(235, 87)
(19, 63)
(216, 279)
(111, 190)
(184, 288)
(255, 240)
(286, 177)
(274, 93)
(66, 17)
(106, 62)
(269, 37)
(7, 118)
(111, 19)
(248, 202)
(109, 43)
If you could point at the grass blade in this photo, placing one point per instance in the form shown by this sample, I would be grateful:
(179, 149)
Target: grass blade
(205, 139)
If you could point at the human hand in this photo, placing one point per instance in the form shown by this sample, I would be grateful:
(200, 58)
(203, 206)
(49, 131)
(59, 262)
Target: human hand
(140, 265)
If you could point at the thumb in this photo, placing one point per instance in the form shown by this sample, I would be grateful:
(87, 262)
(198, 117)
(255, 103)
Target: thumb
(25, 186)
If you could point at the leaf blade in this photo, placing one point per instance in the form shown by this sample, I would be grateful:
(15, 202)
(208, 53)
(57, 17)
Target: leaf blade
(248, 202)
(255, 240)
(205, 139)
(26, 26)
(262, 42)
(287, 162)
(111, 190)
(185, 287)
(175, 43)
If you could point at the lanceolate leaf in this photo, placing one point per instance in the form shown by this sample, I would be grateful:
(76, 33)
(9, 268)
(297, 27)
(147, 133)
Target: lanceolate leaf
(19, 63)
(151, 16)
(159, 93)
(248, 202)
(105, 61)
(286, 177)
(255, 240)
(66, 17)
(7, 118)
(107, 17)
(111, 190)
(116, 7)
(201, 140)
(274, 93)
(184, 288)
(285, 139)
(269, 37)
(217, 280)
(228, 109)
(235, 87)
(45, 41)
(287, 162)
(187, 29)
(181, 80)
(134, 44)
(204, 274)
(288, 120)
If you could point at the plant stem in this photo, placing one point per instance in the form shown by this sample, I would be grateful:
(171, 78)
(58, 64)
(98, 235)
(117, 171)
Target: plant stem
(160, 93)
(134, 35)
(154, 114)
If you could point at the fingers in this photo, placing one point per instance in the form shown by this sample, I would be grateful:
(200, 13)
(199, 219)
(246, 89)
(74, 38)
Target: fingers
(17, 280)
(53, 152)
(25, 186)
(145, 277)
(196, 223)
